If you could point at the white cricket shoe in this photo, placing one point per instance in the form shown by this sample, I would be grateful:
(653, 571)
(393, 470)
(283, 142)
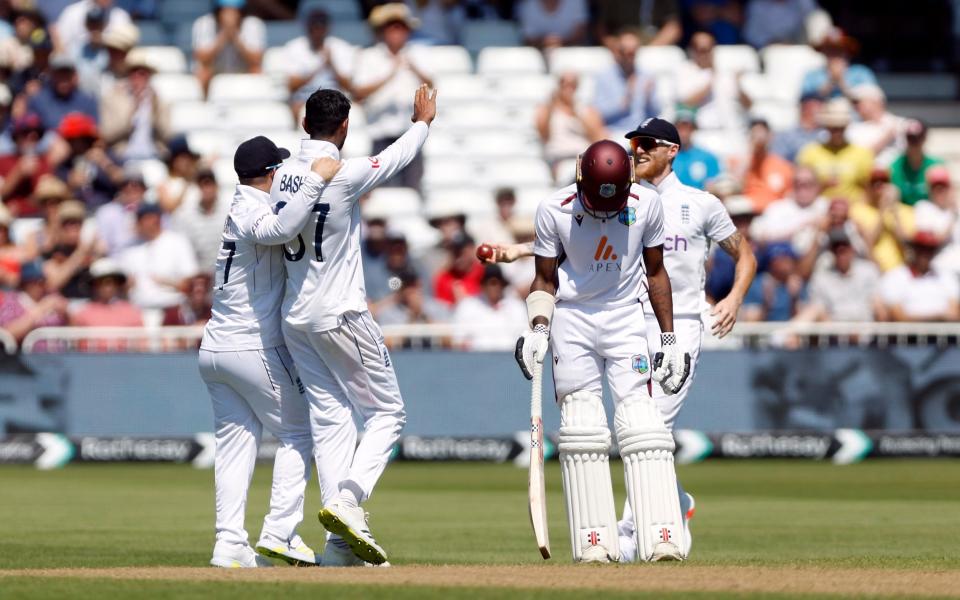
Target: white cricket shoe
(594, 554)
(351, 524)
(293, 552)
(237, 556)
(628, 541)
(335, 556)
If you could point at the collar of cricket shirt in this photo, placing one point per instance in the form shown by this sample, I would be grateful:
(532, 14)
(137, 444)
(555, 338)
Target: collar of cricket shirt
(669, 181)
(318, 148)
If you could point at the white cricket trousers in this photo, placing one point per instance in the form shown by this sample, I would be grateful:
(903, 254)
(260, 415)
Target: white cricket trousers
(346, 372)
(252, 389)
(689, 331)
(589, 342)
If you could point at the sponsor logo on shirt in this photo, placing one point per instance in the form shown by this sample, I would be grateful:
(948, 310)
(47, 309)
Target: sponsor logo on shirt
(606, 258)
(639, 363)
(627, 216)
(676, 243)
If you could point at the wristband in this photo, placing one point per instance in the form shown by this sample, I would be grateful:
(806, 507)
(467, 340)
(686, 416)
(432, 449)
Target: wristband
(668, 339)
(539, 304)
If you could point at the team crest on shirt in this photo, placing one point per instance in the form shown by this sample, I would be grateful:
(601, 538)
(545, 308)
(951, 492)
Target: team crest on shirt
(685, 213)
(640, 364)
(628, 216)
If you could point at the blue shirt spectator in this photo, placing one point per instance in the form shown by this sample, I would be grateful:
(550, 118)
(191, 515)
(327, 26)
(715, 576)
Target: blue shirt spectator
(695, 167)
(787, 143)
(838, 76)
(777, 294)
(819, 79)
(61, 95)
(623, 95)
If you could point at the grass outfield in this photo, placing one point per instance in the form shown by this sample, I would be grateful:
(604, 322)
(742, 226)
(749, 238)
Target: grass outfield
(786, 529)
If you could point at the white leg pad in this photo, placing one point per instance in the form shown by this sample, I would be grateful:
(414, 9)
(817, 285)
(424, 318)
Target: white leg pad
(584, 446)
(646, 447)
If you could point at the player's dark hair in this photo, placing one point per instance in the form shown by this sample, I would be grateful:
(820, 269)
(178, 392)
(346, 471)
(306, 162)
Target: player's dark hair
(326, 110)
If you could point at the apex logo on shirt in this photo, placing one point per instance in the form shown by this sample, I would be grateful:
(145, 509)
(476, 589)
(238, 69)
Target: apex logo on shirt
(606, 258)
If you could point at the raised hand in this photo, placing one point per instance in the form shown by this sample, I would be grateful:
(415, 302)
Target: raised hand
(424, 104)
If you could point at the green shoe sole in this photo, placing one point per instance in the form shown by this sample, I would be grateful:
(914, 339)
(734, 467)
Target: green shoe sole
(360, 547)
(264, 551)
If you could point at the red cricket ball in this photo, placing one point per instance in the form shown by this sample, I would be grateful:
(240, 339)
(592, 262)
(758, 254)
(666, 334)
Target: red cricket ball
(484, 252)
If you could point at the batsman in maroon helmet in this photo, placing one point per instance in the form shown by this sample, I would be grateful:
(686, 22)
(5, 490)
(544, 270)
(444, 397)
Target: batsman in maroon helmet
(599, 261)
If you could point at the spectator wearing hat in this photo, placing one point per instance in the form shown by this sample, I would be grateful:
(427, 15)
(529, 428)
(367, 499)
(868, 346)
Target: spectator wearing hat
(200, 219)
(878, 129)
(49, 194)
(17, 48)
(61, 95)
(91, 57)
(623, 94)
(461, 276)
(108, 305)
(843, 168)
(794, 220)
(98, 76)
(938, 213)
(384, 79)
(721, 267)
(71, 31)
(180, 185)
(134, 120)
(776, 21)
(883, 220)
(838, 77)
(788, 143)
(11, 255)
(227, 40)
(411, 306)
(159, 264)
(549, 24)
(497, 229)
(844, 287)
(717, 96)
(778, 293)
(396, 260)
(918, 291)
(316, 60)
(116, 220)
(29, 73)
(492, 320)
(81, 160)
(72, 249)
(22, 170)
(565, 125)
(909, 171)
(32, 305)
(768, 177)
(694, 166)
(451, 223)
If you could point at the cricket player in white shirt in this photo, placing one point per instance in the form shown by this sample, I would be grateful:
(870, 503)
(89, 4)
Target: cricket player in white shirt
(599, 263)
(251, 379)
(693, 220)
(337, 346)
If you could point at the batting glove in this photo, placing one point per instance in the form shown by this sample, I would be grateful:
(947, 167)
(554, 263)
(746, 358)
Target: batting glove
(532, 347)
(671, 366)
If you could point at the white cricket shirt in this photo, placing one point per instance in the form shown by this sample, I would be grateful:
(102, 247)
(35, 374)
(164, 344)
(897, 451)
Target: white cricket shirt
(249, 277)
(601, 260)
(324, 271)
(692, 219)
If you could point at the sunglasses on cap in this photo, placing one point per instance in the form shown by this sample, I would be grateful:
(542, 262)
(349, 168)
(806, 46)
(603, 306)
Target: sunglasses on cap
(648, 143)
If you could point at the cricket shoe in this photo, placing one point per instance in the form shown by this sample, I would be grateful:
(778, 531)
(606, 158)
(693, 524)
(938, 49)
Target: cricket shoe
(293, 552)
(594, 554)
(350, 523)
(237, 556)
(336, 556)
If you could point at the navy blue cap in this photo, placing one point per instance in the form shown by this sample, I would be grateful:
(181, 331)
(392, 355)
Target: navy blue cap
(656, 128)
(149, 208)
(256, 156)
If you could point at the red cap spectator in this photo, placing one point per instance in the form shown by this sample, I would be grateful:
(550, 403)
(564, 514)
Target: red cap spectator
(77, 125)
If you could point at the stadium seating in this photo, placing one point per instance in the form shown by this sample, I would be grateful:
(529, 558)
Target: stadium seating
(281, 32)
(443, 60)
(523, 88)
(660, 59)
(355, 32)
(153, 33)
(339, 10)
(517, 172)
(499, 61)
(177, 87)
(786, 65)
(390, 202)
(469, 201)
(736, 59)
(243, 87)
(154, 171)
(478, 35)
(186, 116)
(585, 60)
(165, 59)
(257, 116)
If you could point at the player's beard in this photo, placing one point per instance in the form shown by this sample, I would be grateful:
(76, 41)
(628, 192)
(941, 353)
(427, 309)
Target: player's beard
(651, 168)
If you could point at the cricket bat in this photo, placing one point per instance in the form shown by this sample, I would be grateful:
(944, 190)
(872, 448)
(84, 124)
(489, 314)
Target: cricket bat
(538, 497)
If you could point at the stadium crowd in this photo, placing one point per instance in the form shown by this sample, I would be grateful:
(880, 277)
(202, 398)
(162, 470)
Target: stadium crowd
(114, 190)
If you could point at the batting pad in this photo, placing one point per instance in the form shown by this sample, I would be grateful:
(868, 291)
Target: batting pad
(584, 446)
(646, 447)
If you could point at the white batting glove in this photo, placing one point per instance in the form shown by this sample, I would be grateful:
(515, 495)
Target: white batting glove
(671, 366)
(532, 347)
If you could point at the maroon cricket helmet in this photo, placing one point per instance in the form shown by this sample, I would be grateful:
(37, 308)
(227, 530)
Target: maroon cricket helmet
(604, 176)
